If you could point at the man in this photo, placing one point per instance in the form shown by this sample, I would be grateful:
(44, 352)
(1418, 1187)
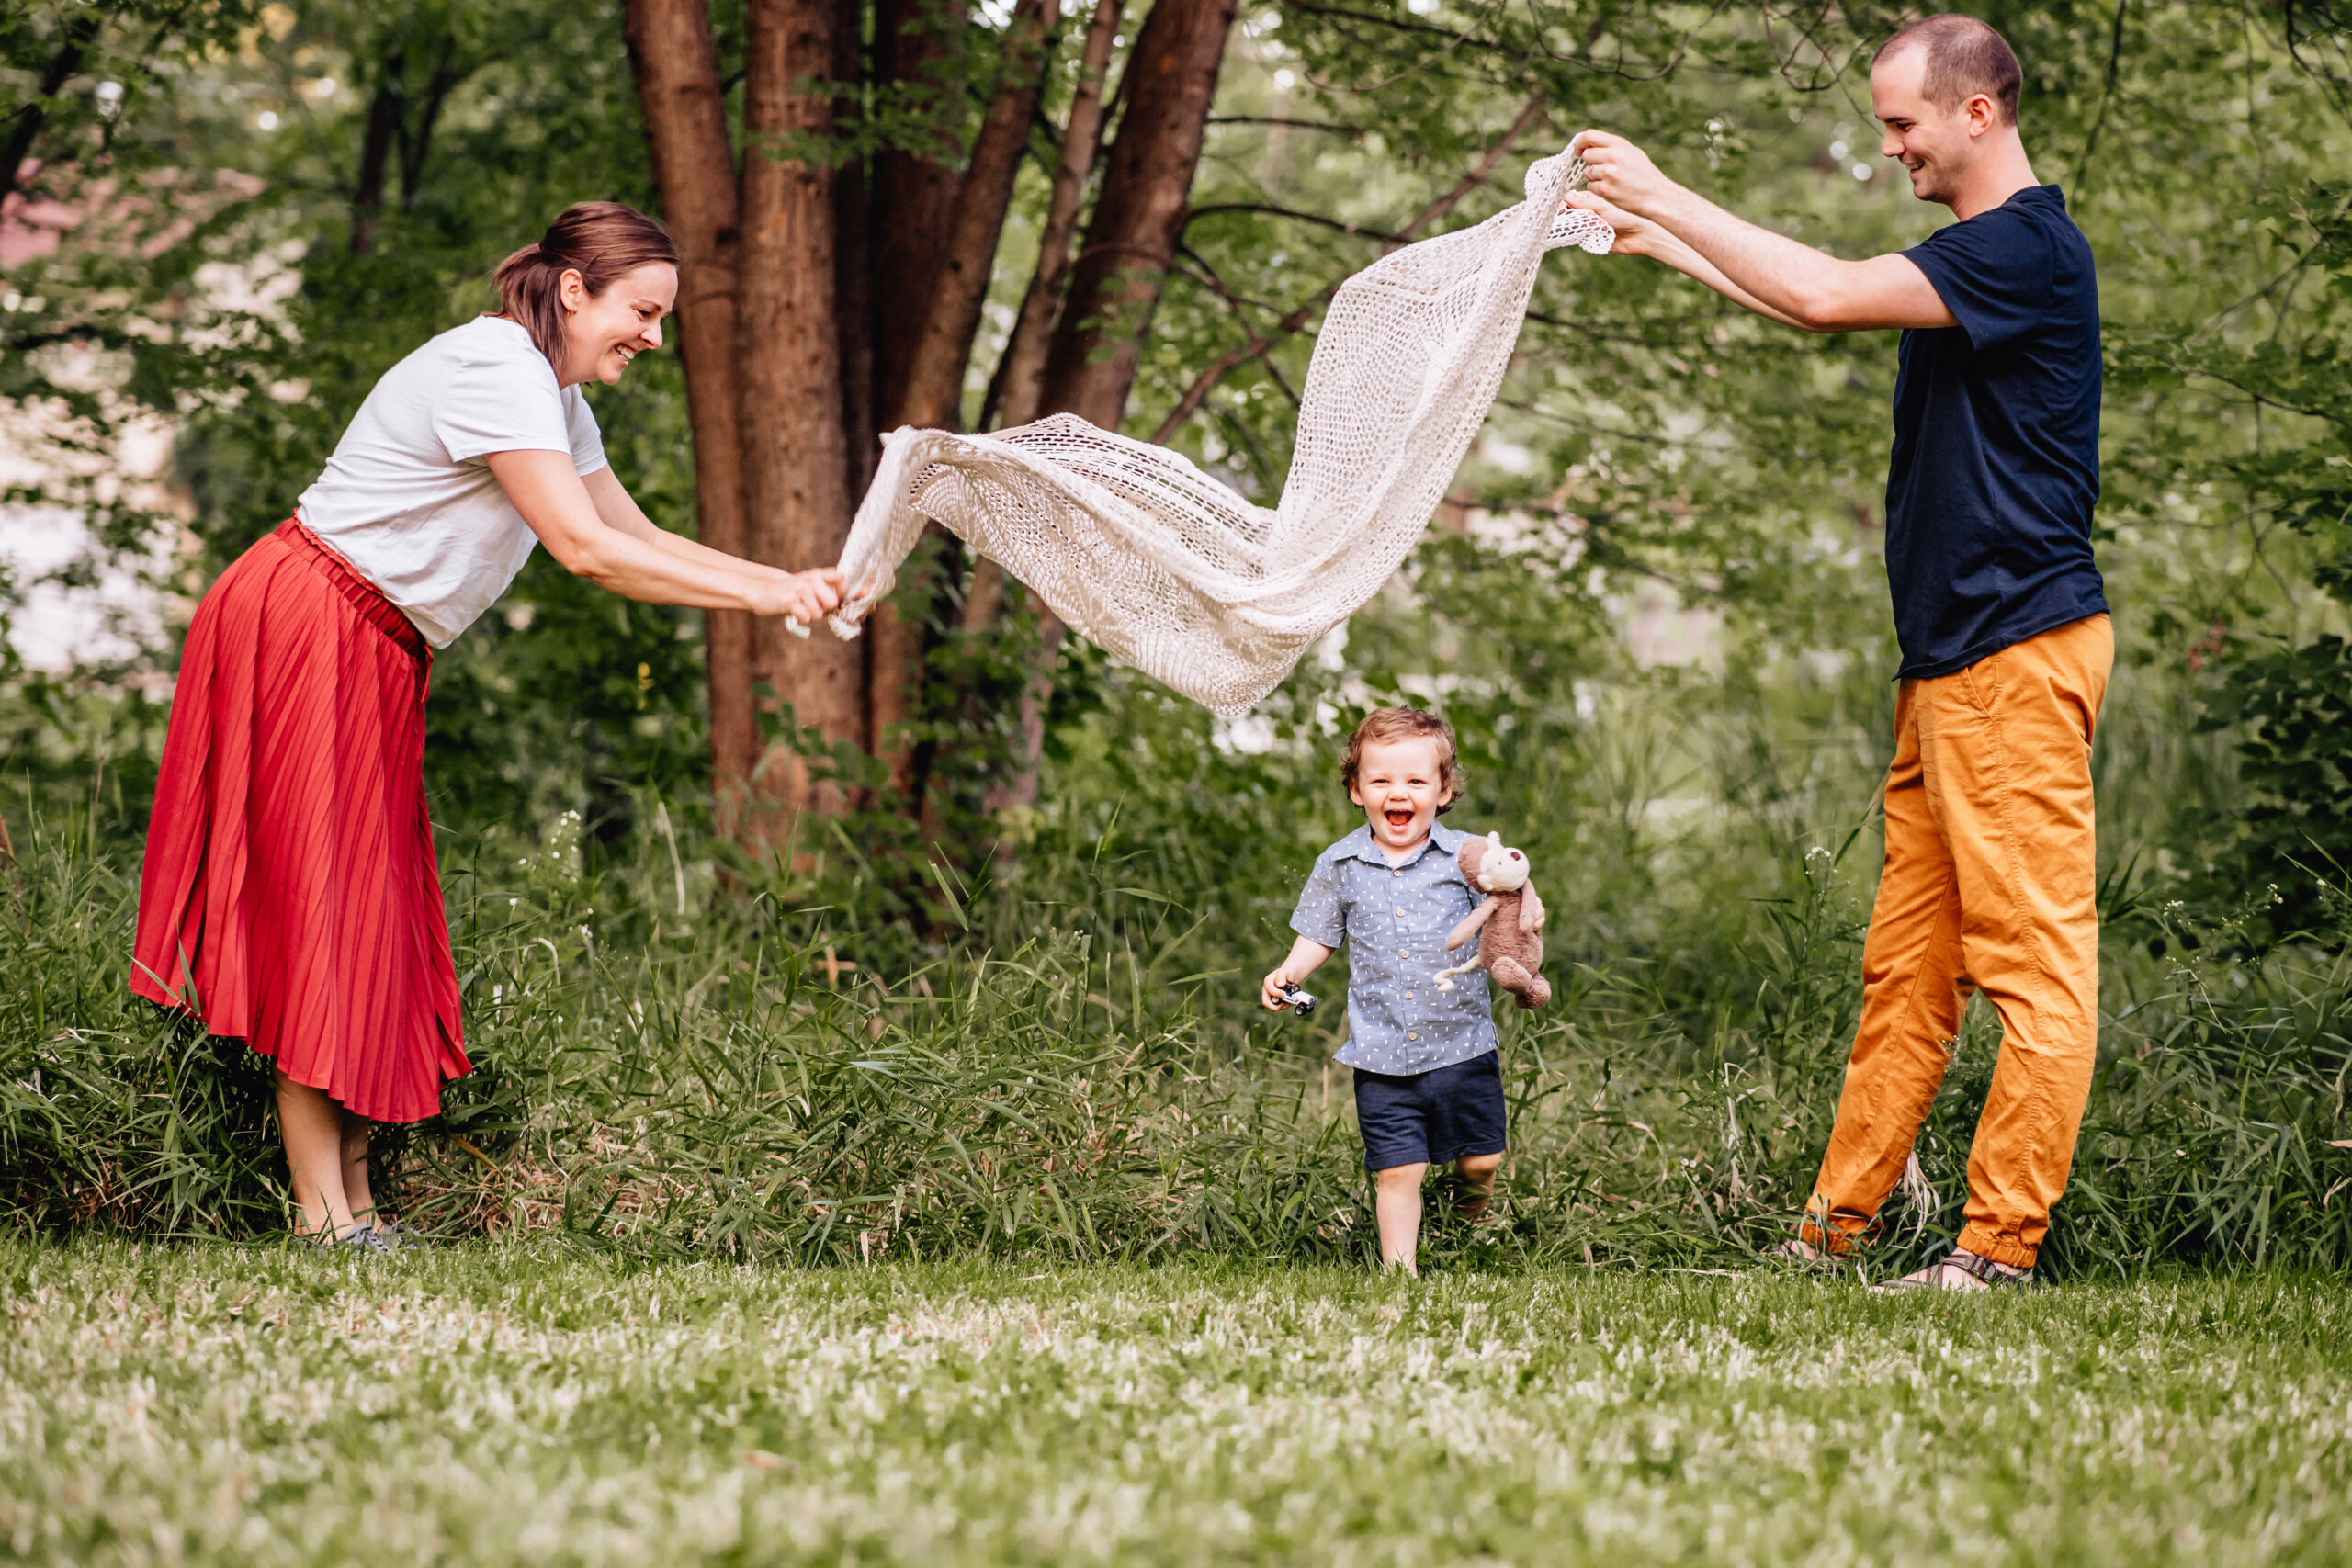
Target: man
(1989, 876)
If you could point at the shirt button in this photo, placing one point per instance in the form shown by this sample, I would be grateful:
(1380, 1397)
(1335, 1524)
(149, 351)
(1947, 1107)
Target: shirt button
(1409, 996)
(1412, 1037)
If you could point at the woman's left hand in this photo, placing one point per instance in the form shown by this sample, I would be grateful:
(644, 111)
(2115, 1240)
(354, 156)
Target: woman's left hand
(806, 596)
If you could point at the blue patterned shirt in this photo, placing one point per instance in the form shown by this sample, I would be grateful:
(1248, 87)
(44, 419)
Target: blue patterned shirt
(1393, 920)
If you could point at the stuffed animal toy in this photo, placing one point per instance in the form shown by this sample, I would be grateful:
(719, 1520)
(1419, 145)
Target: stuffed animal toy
(1510, 943)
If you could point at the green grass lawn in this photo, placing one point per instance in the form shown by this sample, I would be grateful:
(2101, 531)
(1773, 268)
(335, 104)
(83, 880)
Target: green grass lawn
(493, 1406)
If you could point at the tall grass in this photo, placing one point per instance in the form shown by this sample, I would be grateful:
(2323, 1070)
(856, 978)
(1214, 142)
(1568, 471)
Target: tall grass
(1054, 1071)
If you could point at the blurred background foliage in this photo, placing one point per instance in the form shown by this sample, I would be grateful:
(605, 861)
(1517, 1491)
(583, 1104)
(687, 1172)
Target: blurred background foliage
(1654, 610)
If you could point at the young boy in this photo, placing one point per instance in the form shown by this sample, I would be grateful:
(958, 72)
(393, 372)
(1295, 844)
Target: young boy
(1428, 1084)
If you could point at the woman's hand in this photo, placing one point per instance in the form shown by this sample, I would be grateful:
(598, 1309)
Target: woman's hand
(805, 596)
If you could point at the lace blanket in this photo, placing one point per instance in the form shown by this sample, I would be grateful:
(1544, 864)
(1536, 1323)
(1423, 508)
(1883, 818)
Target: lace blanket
(1162, 566)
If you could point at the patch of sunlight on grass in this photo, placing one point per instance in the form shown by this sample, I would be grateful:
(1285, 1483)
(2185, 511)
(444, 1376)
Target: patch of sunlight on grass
(211, 1404)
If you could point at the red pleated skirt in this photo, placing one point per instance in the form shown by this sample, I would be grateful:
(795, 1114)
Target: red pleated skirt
(290, 899)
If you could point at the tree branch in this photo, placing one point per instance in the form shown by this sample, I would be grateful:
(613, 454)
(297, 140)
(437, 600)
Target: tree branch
(80, 33)
(1333, 127)
(1271, 210)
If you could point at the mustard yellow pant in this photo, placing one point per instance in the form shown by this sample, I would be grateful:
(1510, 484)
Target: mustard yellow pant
(1990, 885)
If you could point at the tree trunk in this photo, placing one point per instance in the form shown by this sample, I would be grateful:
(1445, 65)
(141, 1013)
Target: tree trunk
(1132, 239)
(1022, 380)
(676, 65)
(1020, 377)
(79, 35)
(789, 362)
(416, 144)
(930, 389)
(1116, 280)
(916, 46)
(933, 396)
(375, 152)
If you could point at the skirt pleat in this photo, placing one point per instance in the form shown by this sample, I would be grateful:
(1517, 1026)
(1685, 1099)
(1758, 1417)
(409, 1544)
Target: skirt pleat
(291, 896)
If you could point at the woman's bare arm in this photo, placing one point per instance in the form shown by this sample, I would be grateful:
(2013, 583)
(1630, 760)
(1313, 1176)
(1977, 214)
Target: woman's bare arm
(619, 510)
(607, 548)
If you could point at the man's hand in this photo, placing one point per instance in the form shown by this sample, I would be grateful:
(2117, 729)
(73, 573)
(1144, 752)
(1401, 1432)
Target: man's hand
(1622, 174)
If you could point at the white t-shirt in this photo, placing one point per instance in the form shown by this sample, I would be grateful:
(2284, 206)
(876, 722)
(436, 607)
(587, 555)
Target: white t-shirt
(407, 498)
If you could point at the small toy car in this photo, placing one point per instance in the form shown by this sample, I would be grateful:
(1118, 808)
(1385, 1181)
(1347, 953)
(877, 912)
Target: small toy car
(1299, 1001)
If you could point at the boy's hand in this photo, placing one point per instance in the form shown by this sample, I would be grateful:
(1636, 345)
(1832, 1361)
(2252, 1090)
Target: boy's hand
(1270, 991)
(1530, 915)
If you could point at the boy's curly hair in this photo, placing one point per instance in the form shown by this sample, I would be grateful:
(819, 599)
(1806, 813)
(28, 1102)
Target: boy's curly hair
(1405, 724)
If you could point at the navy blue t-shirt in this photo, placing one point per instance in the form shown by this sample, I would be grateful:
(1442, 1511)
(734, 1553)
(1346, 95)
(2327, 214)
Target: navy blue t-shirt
(1996, 462)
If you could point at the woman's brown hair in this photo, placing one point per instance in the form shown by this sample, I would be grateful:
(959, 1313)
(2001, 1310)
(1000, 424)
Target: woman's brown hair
(600, 241)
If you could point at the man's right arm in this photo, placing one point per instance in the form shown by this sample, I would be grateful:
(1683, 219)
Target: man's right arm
(1770, 274)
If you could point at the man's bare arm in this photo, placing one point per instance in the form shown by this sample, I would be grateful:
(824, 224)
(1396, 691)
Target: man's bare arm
(1767, 273)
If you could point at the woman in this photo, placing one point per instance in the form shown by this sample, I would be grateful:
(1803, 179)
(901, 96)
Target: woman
(290, 898)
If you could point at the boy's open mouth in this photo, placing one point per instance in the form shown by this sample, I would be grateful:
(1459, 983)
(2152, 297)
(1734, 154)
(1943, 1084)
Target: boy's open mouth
(1400, 820)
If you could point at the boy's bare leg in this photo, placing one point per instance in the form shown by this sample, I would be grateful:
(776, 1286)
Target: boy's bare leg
(312, 1126)
(356, 1188)
(1396, 1208)
(1477, 1174)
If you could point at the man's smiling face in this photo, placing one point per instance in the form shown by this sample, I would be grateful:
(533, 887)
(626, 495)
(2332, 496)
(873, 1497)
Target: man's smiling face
(1935, 144)
(1400, 785)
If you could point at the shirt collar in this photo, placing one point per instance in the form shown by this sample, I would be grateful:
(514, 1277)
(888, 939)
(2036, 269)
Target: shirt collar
(1360, 845)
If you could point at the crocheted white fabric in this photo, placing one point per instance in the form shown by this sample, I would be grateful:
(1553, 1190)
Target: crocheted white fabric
(1162, 566)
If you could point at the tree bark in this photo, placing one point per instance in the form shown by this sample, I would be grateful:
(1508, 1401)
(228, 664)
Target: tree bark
(930, 388)
(789, 361)
(417, 145)
(1140, 215)
(916, 46)
(1116, 280)
(683, 103)
(375, 152)
(932, 395)
(1022, 375)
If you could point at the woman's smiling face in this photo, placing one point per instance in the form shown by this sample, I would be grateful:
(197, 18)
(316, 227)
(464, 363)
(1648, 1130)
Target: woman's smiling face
(608, 330)
(1400, 784)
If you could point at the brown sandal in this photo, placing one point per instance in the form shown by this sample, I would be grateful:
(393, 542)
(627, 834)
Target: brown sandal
(1975, 1266)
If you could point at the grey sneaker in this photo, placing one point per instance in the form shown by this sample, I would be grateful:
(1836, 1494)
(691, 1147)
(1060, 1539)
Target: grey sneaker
(398, 1237)
(359, 1238)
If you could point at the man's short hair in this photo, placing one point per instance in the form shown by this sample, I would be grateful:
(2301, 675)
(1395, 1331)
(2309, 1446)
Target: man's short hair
(1965, 57)
(1405, 724)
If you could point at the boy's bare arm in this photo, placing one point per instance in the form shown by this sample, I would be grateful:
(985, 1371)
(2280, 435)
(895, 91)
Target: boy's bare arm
(1305, 957)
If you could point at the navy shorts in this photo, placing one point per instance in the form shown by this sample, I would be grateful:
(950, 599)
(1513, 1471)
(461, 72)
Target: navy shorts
(1431, 1117)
